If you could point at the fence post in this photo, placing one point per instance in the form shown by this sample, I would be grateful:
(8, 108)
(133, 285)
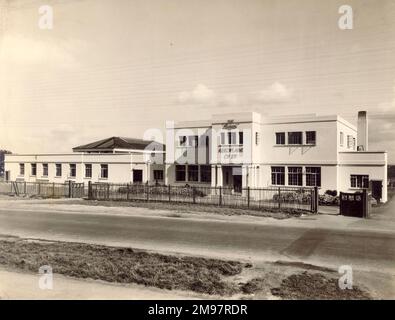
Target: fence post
(248, 197)
(193, 195)
(315, 199)
(168, 187)
(127, 192)
(24, 187)
(147, 192)
(220, 196)
(279, 198)
(53, 189)
(39, 188)
(90, 190)
(108, 191)
(70, 189)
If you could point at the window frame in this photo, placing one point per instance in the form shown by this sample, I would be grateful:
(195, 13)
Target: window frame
(104, 169)
(33, 169)
(22, 169)
(161, 175)
(205, 173)
(279, 137)
(292, 134)
(45, 169)
(88, 168)
(180, 169)
(193, 173)
(72, 167)
(58, 166)
(298, 174)
(278, 175)
(312, 142)
(361, 181)
(313, 179)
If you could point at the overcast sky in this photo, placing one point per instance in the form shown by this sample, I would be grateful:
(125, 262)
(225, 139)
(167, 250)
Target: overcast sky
(116, 68)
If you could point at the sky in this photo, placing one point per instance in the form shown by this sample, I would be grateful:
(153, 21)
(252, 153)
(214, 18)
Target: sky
(117, 68)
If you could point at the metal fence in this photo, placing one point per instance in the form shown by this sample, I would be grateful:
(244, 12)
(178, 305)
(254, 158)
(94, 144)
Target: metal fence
(252, 198)
(44, 189)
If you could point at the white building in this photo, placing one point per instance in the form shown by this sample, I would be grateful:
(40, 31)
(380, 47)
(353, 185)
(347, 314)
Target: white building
(230, 150)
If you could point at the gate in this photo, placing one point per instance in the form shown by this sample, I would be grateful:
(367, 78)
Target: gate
(355, 204)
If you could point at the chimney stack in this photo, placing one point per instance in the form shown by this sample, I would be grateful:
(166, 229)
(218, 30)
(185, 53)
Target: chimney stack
(362, 137)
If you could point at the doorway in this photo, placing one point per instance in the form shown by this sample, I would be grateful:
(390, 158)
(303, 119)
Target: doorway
(377, 190)
(137, 176)
(237, 183)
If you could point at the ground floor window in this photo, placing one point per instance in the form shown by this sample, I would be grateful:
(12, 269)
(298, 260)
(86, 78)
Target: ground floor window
(34, 169)
(295, 176)
(22, 169)
(193, 173)
(359, 181)
(88, 171)
(58, 169)
(104, 171)
(73, 170)
(158, 175)
(45, 169)
(205, 173)
(313, 176)
(278, 176)
(180, 173)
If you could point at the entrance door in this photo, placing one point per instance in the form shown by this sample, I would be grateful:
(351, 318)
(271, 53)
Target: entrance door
(377, 190)
(237, 183)
(137, 176)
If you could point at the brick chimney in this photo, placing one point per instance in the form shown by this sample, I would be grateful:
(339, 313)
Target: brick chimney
(362, 137)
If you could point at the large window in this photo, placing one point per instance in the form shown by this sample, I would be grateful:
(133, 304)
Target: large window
(45, 169)
(158, 175)
(88, 170)
(183, 140)
(205, 173)
(58, 169)
(193, 173)
(280, 138)
(359, 181)
(22, 169)
(34, 169)
(180, 173)
(295, 176)
(104, 171)
(313, 176)
(73, 170)
(278, 176)
(311, 137)
(295, 138)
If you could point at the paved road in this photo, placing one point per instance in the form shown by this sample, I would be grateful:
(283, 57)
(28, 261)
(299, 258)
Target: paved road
(365, 250)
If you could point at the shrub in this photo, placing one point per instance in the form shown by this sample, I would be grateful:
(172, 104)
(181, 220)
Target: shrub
(332, 193)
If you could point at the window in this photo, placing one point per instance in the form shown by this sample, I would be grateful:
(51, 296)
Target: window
(45, 169)
(193, 173)
(180, 173)
(278, 176)
(88, 171)
(34, 169)
(311, 137)
(359, 181)
(58, 169)
(193, 141)
(205, 173)
(222, 137)
(295, 176)
(231, 137)
(158, 175)
(341, 139)
(350, 142)
(183, 140)
(295, 138)
(256, 138)
(104, 171)
(313, 176)
(241, 138)
(73, 170)
(22, 169)
(280, 137)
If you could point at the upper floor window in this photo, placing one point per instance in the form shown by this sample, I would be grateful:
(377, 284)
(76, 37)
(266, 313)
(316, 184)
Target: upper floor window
(45, 169)
(34, 169)
(88, 170)
(278, 176)
(58, 169)
(73, 170)
(295, 176)
(222, 137)
(104, 171)
(359, 181)
(193, 141)
(295, 138)
(310, 137)
(241, 138)
(256, 138)
(180, 173)
(183, 140)
(231, 137)
(313, 176)
(22, 169)
(280, 137)
(341, 139)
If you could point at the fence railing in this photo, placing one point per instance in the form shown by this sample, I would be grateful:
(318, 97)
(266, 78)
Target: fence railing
(44, 189)
(252, 198)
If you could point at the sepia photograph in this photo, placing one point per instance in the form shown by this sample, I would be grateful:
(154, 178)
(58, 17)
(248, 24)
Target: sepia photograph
(211, 152)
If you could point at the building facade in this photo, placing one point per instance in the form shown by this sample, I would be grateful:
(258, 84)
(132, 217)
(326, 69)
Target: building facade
(235, 151)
